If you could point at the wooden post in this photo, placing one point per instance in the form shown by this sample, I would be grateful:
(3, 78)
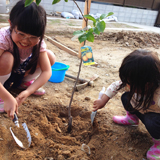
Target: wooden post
(84, 23)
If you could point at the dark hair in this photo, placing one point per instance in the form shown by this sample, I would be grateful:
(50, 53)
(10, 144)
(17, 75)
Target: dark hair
(30, 20)
(141, 70)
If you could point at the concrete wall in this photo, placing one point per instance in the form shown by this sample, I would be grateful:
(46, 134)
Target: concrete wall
(2, 6)
(123, 14)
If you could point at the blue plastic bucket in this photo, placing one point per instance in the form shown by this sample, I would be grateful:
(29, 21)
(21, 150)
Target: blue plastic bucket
(58, 72)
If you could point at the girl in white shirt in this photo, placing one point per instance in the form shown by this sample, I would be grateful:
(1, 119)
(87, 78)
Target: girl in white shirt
(140, 73)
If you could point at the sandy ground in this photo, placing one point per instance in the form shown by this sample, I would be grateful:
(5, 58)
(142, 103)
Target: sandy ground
(47, 116)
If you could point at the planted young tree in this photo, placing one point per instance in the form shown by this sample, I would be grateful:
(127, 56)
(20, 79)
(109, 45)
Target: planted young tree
(83, 35)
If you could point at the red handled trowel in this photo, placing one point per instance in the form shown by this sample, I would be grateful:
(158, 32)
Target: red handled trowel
(93, 114)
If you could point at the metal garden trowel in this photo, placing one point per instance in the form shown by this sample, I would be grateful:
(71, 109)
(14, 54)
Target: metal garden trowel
(20, 144)
(93, 114)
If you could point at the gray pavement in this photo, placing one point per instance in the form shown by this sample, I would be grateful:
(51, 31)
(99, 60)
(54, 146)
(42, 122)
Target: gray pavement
(144, 27)
(136, 27)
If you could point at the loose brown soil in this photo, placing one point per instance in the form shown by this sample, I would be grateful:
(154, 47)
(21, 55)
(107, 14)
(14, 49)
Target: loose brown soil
(47, 116)
(21, 134)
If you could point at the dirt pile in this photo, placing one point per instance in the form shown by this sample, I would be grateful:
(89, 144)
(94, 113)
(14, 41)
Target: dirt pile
(124, 38)
(50, 139)
(132, 39)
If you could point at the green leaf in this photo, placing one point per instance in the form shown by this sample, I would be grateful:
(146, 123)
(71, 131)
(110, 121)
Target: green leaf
(91, 30)
(55, 1)
(96, 31)
(103, 16)
(90, 17)
(110, 13)
(97, 20)
(66, 0)
(106, 15)
(101, 26)
(28, 2)
(82, 38)
(38, 2)
(90, 36)
(79, 32)
(94, 24)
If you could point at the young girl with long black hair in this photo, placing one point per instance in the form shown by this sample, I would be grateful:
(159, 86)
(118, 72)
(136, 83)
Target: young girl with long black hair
(140, 73)
(24, 60)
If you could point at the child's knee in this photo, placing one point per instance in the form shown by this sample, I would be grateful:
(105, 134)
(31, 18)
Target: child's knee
(6, 63)
(51, 56)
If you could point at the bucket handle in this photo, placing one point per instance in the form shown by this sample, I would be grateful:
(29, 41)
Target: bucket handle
(61, 68)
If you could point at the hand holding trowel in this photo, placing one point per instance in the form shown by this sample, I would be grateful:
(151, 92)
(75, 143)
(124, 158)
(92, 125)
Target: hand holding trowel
(93, 114)
(18, 129)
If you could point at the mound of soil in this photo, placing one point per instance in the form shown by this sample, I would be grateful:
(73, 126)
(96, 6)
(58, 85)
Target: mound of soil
(133, 39)
(50, 140)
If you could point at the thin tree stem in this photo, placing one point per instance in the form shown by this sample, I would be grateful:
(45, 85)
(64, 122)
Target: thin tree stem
(80, 9)
(69, 107)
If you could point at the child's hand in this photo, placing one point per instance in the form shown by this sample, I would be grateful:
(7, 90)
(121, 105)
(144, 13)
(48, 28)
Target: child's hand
(100, 103)
(11, 106)
(22, 96)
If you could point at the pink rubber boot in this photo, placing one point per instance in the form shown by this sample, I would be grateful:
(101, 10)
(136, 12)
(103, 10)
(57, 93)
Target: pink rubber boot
(154, 152)
(129, 119)
(38, 92)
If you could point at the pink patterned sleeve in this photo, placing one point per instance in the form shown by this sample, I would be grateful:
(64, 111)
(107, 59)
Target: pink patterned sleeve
(6, 43)
(112, 89)
(43, 46)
